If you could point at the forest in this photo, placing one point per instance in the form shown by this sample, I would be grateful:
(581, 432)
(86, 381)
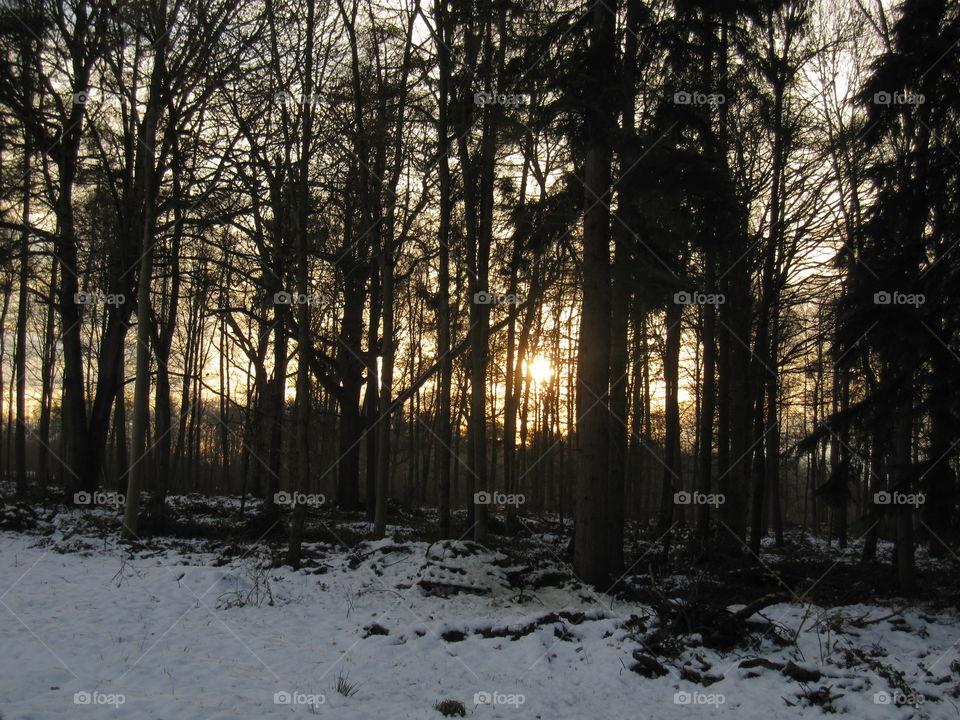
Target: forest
(628, 326)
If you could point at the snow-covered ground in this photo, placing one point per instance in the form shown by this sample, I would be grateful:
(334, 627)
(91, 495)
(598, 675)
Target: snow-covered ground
(171, 633)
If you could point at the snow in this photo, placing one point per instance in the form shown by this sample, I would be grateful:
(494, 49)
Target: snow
(178, 633)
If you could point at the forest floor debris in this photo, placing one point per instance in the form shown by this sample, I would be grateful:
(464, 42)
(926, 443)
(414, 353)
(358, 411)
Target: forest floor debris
(213, 626)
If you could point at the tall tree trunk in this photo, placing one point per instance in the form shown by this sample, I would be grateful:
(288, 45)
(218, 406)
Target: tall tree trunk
(773, 439)
(304, 351)
(46, 383)
(621, 291)
(708, 400)
(371, 397)
(7, 289)
(386, 381)
(444, 431)
(590, 557)
(20, 355)
(137, 477)
(941, 479)
(671, 441)
(144, 199)
(903, 513)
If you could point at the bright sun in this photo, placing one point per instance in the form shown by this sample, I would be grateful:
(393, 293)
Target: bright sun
(539, 369)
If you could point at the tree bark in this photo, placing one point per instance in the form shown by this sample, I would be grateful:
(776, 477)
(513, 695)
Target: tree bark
(590, 557)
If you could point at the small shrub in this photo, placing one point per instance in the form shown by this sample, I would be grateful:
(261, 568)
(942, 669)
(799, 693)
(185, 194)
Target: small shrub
(345, 687)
